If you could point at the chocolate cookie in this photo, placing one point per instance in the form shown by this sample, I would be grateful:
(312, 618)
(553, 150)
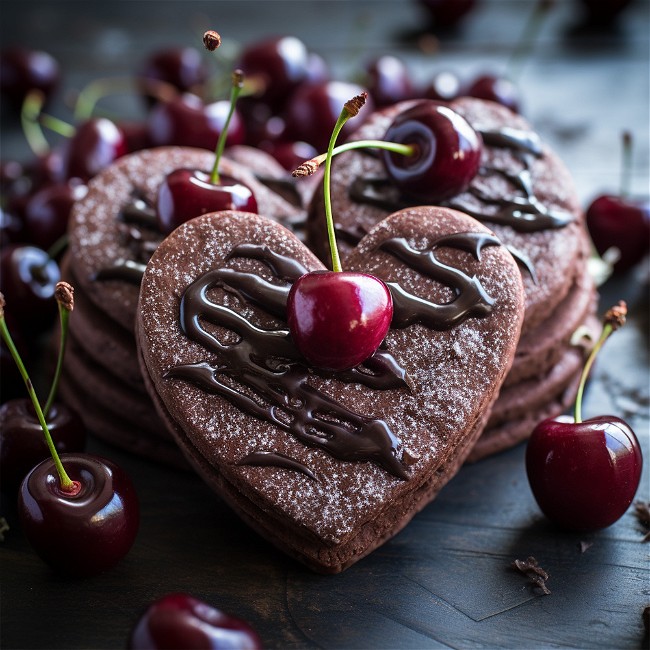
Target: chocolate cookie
(327, 465)
(523, 192)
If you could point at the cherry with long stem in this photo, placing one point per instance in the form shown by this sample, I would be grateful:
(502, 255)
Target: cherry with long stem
(188, 193)
(67, 485)
(584, 473)
(338, 319)
(22, 444)
(429, 152)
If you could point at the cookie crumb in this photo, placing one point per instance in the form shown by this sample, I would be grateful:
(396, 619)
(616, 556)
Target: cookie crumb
(531, 568)
(583, 546)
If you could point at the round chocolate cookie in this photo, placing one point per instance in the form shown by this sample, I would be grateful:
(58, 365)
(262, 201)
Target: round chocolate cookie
(327, 465)
(522, 192)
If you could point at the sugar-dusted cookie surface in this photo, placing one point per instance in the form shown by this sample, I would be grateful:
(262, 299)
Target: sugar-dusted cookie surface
(327, 465)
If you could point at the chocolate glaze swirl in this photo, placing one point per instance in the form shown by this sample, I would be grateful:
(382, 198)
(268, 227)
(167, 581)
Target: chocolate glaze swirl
(263, 374)
(521, 211)
(138, 229)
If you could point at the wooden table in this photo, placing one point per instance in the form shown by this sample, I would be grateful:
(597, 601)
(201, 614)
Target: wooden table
(446, 580)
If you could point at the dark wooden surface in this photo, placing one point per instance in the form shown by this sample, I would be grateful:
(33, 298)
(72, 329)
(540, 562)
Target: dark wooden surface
(446, 580)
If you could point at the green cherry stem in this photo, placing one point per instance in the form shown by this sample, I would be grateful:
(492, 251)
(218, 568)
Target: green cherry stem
(350, 109)
(29, 115)
(310, 166)
(235, 91)
(614, 319)
(67, 484)
(64, 294)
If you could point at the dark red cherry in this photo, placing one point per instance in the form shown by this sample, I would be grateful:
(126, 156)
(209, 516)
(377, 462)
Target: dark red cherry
(622, 223)
(22, 445)
(290, 154)
(447, 156)
(182, 621)
(11, 382)
(495, 89)
(445, 14)
(189, 193)
(313, 109)
(28, 278)
(47, 169)
(187, 121)
(584, 476)
(47, 212)
(12, 229)
(338, 319)
(443, 86)
(23, 70)
(182, 67)
(136, 135)
(95, 145)
(389, 80)
(277, 66)
(82, 533)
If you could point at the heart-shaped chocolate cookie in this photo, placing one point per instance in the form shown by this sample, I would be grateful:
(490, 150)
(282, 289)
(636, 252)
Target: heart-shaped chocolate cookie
(327, 465)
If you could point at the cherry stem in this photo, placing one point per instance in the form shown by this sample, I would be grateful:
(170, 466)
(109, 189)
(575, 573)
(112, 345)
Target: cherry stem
(350, 109)
(58, 126)
(94, 91)
(614, 319)
(310, 166)
(235, 91)
(528, 38)
(67, 484)
(29, 114)
(63, 294)
(626, 166)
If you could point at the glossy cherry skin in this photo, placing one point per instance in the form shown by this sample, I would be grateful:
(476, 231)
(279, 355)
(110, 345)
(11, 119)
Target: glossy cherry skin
(182, 621)
(182, 67)
(584, 476)
(48, 211)
(28, 278)
(314, 108)
(95, 145)
(623, 223)
(338, 319)
(495, 89)
(447, 157)
(389, 80)
(279, 65)
(23, 70)
(188, 193)
(22, 444)
(85, 533)
(187, 121)
(290, 154)
(443, 86)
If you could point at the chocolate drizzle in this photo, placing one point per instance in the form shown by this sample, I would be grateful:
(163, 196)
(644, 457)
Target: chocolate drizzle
(471, 298)
(138, 230)
(275, 459)
(522, 210)
(263, 374)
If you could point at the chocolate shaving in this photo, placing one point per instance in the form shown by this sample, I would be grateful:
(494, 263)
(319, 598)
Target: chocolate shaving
(642, 511)
(535, 573)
